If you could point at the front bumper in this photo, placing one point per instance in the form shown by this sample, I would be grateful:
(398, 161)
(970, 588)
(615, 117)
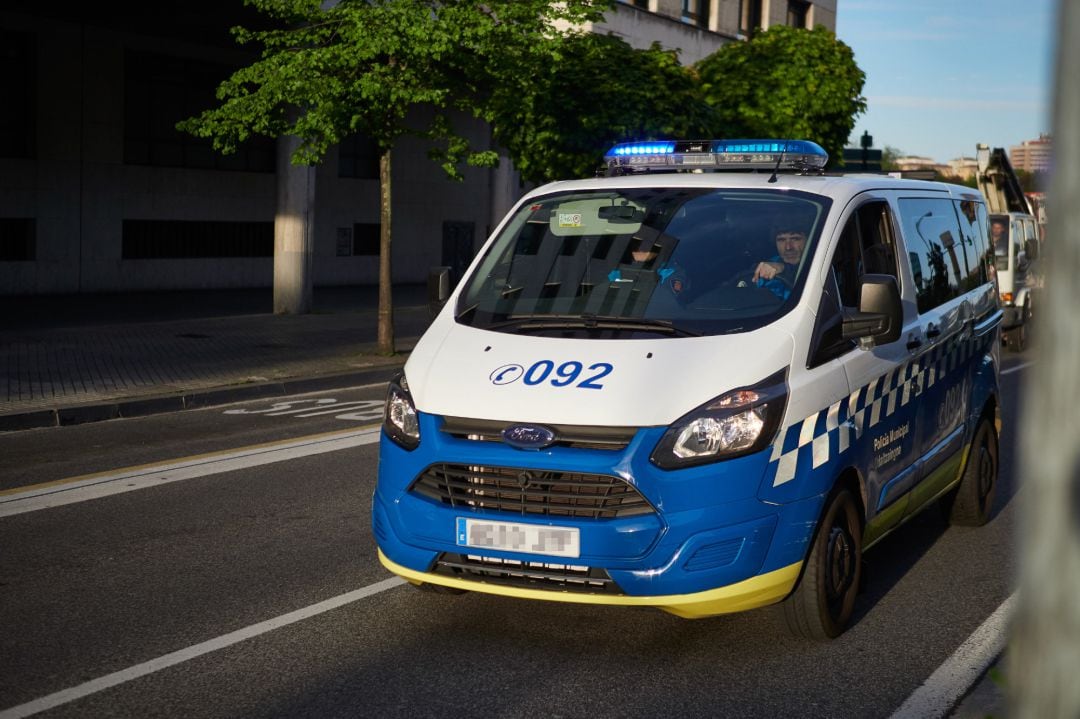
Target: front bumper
(710, 545)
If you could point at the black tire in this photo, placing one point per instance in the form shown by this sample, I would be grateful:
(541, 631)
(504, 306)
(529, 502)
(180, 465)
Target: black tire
(1016, 338)
(823, 602)
(974, 497)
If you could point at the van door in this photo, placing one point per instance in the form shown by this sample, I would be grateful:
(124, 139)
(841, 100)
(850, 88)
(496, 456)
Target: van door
(881, 406)
(942, 266)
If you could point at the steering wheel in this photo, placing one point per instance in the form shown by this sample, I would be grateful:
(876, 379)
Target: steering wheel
(746, 279)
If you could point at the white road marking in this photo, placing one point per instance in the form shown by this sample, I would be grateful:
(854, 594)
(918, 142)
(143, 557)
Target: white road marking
(93, 686)
(1017, 368)
(104, 484)
(940, 693)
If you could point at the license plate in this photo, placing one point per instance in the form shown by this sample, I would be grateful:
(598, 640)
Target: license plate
(512, 537)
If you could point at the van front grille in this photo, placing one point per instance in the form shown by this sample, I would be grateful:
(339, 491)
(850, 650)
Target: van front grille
(531, 491)
(529, 575)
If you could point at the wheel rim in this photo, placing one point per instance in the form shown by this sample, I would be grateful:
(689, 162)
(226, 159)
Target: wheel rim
(985, 472)
(839, 566)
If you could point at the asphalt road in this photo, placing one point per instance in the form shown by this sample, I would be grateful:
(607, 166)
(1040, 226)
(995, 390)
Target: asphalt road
(93, 591)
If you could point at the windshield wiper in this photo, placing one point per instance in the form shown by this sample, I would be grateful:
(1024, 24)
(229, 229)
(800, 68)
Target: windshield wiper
(527, 323)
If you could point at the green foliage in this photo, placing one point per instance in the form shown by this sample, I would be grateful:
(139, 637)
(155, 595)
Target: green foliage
(599, 91)
(786, 82)
(888, 157)
(366, 65)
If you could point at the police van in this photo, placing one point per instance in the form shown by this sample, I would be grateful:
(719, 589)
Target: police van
(705, 383)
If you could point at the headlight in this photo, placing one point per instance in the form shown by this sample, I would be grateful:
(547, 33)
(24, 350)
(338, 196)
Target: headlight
(399, 415)
(736, 423)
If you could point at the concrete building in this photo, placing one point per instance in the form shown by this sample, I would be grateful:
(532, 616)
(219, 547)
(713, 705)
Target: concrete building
(100, 192)
(911, 163)
(962, 167)
(1032, 155)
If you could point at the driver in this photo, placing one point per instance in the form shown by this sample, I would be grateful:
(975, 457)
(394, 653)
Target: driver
(777, 274)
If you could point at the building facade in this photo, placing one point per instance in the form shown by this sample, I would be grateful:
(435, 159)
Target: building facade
(1032, 155)
(100, 193)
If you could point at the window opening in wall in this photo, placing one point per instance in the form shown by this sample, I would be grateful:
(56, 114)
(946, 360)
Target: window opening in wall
(17, 83)
(193, 239)
(365, 239)
(160, 91)
(696, 12)
(798, 13)
(750, 17)
(18, 239)
(358, 157)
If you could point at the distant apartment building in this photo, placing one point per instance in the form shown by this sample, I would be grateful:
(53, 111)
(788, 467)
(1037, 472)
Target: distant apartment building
(1032, 155)
(100, 193)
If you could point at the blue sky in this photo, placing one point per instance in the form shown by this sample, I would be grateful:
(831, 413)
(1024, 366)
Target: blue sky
(942, 75)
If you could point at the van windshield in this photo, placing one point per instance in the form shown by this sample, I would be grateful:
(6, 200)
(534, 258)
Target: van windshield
(644, 262)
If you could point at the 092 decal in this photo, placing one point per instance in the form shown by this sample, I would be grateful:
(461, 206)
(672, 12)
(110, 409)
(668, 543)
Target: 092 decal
(545, 371)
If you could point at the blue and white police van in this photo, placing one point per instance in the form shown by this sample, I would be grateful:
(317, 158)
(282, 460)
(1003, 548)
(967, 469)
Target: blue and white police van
(706, 382)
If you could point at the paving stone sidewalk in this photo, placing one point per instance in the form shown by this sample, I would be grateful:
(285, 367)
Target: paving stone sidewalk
(114, 360)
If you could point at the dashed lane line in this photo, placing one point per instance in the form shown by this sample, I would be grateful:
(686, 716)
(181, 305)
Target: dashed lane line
(104, 484)
(93, 686)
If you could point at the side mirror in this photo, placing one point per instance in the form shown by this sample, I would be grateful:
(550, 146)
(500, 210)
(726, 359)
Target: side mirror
(438, 289)
(881, 313)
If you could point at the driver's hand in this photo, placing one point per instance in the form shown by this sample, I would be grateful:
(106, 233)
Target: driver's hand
(767, 270)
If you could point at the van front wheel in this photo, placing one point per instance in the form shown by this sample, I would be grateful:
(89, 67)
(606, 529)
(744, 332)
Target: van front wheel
(822, 604)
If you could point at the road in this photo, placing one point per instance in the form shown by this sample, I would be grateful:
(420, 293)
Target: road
(219, 581)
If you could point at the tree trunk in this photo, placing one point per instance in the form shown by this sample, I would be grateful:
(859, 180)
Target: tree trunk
(294, 231)
(386, 285)
(1043, 669)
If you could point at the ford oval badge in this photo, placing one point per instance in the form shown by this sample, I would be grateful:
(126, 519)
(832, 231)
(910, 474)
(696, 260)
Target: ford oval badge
(528, 436)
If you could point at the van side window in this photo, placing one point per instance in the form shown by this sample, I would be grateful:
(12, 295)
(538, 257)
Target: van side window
(866, 246)
(935, 249)
(974, 238)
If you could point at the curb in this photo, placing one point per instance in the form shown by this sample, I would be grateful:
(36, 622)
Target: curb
(196, 399)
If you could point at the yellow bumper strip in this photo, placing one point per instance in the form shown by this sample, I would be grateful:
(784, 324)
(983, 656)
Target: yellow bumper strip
(747, 594)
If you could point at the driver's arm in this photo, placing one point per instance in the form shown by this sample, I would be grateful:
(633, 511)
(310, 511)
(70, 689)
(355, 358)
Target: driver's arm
(767, 270)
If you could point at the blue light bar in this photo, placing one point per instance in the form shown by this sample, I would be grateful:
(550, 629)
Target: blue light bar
(715, 155)
(643, 148)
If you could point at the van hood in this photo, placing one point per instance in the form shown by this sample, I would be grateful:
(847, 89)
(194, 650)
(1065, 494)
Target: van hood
(480, 374)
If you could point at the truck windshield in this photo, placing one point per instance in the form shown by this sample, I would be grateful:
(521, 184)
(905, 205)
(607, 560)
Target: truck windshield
(999, 235)
(643, 262)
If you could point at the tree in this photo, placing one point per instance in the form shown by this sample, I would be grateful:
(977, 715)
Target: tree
(888, 157)
(786, 82)
(366, 66)
(598, 92)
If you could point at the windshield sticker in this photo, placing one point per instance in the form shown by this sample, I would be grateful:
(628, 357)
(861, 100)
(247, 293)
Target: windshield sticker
(546, 372)
(569, 219)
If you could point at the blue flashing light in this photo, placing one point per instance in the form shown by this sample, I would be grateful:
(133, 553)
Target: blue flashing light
(728, 155)
(642, 148)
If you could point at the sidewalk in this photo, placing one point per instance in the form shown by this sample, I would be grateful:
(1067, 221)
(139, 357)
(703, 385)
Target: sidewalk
(81, 358)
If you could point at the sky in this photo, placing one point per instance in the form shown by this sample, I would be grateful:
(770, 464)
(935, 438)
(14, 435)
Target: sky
(943, 75)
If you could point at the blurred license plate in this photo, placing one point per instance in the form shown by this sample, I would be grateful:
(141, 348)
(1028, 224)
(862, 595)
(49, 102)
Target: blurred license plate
(528, 538)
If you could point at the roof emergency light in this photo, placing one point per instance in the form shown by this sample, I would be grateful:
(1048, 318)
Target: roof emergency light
(715, 155)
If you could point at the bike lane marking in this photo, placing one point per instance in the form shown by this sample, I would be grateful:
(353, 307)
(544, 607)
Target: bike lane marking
(103, 484)
(65, 696)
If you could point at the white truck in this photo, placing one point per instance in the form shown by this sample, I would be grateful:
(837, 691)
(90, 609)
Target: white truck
(1016, 240)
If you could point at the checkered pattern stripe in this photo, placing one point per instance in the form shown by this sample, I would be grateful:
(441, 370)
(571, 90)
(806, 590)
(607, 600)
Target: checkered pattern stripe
(833, 430)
